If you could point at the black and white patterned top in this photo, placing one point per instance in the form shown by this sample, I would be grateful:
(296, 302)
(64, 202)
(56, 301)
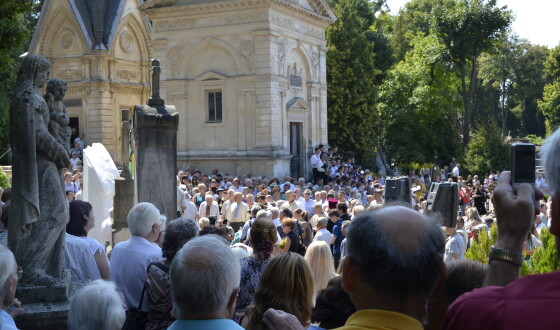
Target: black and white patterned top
(251, 270)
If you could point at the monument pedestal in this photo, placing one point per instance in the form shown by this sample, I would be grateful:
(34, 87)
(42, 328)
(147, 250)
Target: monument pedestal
(155, 132)
(44, 315)
(31, 293)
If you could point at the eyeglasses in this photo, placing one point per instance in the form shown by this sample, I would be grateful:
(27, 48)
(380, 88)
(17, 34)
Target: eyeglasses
(284, 225)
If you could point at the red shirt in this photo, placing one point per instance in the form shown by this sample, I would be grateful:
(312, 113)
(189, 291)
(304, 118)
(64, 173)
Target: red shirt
(531, 302)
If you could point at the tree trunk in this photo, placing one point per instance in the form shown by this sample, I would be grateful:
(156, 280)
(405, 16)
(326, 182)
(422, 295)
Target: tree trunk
(466, 106)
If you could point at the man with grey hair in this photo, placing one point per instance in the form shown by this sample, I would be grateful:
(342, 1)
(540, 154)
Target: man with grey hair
(205, 279)
(508, 307)
(130, 259)
(322, 233)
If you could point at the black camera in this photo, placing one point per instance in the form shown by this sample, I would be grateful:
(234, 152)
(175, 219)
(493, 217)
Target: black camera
(522, 164)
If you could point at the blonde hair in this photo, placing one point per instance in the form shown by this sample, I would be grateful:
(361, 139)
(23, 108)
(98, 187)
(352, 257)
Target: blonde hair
(286, 284)
(472, 214)
(319, 257)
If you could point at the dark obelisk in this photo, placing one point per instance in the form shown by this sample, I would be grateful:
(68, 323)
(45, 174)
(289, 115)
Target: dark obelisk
(155, 133)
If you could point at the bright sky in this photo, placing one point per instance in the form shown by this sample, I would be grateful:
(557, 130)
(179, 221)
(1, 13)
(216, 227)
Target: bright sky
(535, 20)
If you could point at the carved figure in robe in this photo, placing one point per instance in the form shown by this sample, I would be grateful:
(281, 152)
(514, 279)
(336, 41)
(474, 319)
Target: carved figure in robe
(59, 120)
(38, 210)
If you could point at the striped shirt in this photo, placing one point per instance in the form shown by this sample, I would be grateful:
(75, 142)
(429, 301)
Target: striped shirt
(79, 259)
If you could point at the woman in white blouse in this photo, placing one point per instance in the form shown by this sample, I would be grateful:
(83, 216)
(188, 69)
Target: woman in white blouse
(81, 222)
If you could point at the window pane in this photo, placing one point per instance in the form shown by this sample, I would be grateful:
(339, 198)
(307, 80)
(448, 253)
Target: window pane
(218, 106)
(211, 107)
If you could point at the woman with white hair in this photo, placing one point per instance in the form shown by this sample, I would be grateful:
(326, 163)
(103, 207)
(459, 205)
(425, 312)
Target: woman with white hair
(130, 259)
(96, 306)
(10, 274)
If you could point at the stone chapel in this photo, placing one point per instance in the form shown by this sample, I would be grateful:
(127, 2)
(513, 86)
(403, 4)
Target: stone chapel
(248, 77)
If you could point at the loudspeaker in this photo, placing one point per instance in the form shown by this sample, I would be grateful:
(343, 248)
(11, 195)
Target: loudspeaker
(443, 198)
(397, 190)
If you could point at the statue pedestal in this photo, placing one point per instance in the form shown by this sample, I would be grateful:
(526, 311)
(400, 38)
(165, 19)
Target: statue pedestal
(30, 293)
(44, 315)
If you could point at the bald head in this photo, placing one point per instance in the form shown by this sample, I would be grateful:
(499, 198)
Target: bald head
(397, 251)
(401, 226)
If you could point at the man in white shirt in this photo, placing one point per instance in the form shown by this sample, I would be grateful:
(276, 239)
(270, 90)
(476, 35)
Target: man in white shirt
(315, 162)
(227, 204)
(456, 170)
(209, 207)
(181, 201)
(190, 211)
(322, 233)
(455, 247)
(299, 197)
(130, 259)
(540, 182)
(308, 201)
(238, 211)
(291, 201)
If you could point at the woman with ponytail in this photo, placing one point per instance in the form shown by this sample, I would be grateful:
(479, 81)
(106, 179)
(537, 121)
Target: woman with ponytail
(262, 237)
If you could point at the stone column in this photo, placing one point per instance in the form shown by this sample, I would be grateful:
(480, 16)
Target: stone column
(155, 132)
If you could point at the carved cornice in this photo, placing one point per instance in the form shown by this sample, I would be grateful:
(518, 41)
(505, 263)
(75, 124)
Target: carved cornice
(113, 87)
(190, 10)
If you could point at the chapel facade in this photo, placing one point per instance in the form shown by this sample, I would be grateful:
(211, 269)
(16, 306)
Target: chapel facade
(248, 77)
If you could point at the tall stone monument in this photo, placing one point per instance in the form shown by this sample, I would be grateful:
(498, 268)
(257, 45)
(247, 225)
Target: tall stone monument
(125, 197)
(155, 132)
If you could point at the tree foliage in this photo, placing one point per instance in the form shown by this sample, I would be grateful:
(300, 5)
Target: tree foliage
(545, 259)
(487, 151)
(418, 105)
(17, 21)
(468, 28)
(550, 104)
(352, 115)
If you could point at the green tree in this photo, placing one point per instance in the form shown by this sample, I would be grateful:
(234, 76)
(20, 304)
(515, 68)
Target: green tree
(352, 115)
(487, 151)
(412, 20)
(17, 21)
(418, 104)
(550, 103)
(512, 81)
(469, 28)
(480, 250)
(545, 258)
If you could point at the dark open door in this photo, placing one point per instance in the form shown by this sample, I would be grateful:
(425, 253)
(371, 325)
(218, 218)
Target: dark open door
(296, 149)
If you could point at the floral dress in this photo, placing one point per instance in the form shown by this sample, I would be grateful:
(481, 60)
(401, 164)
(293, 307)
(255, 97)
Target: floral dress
(251, 270)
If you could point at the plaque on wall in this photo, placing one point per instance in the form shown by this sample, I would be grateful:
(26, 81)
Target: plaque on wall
(295, 81)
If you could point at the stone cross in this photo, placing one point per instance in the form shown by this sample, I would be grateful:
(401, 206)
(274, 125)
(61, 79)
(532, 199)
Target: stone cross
(155, 100)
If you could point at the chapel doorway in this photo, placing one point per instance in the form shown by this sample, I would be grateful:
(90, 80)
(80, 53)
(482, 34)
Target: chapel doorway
(296, 149)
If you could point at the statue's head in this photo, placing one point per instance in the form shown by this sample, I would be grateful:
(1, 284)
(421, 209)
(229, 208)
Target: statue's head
(35, 68)
(57, 87)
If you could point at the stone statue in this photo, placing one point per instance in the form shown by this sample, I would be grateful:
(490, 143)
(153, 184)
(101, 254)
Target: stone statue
(59, 120)
(39, 211)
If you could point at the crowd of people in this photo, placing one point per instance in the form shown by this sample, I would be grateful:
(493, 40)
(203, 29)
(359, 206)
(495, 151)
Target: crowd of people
(260, 253)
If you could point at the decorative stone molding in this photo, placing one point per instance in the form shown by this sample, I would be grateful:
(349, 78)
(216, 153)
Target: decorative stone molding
(51, 30)
(66, 39)
(69, 74)
(126, 41)
(247, 48)
(126, 75)
(175, 54)
(322, 14)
